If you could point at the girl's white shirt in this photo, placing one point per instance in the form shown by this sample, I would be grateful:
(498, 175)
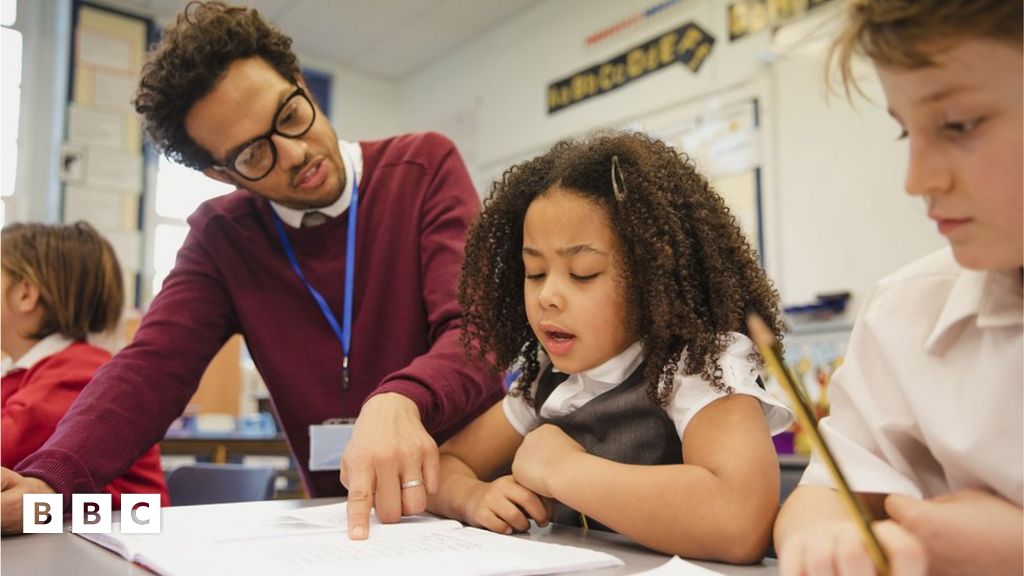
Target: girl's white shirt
(45, 348)
(691, 392)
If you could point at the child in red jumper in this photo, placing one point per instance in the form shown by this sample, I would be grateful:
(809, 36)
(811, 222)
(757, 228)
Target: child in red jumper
(59, 283)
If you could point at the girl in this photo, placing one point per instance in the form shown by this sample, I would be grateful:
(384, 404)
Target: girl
(59, 283)
(926, 410)
(615, 281)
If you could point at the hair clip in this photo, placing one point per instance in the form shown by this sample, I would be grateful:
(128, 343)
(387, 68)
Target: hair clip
(617, 188)
(190, 9)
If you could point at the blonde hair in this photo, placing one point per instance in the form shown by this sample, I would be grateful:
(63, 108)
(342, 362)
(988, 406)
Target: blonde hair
(75, 270)
(905, 33)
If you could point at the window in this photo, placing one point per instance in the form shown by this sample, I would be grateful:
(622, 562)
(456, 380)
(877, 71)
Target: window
(179, 191)
(10, 53)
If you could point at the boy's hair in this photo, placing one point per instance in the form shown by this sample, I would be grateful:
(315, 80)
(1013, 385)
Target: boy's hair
(186, 64)
(905, 33)
(76, 272)
(690, 277)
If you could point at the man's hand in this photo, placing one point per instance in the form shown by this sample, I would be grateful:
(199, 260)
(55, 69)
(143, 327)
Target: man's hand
(966, 532)
(543, 450)
(389, 448)
(12, 487)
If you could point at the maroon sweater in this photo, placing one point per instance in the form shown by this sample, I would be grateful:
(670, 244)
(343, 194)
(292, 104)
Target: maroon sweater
(416, 202)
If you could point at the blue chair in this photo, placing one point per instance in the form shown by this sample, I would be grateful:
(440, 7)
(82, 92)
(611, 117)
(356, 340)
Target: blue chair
(788, 481)
(792, 469)
(219, 483)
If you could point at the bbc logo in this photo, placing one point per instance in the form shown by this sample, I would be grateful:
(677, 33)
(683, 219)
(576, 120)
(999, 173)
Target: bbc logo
(90, 513)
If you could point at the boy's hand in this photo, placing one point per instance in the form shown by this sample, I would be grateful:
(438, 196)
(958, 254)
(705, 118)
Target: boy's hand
(542, 452)
(504, 506)
(966, 532)
(12, 487)
(838, 548)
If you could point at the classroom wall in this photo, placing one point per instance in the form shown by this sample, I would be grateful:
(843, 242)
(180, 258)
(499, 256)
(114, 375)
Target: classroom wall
(44, 89)
(363, 106)
(835, 215)
(843, 219)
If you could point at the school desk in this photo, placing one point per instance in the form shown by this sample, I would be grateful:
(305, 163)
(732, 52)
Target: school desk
(65, 554)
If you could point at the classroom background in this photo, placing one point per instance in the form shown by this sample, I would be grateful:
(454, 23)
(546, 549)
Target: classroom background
(736, 84)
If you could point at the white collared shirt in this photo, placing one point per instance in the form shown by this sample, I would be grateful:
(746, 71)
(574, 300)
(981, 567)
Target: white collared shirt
(691, 394)
(43, 349)
(929, 399)
(352, 158)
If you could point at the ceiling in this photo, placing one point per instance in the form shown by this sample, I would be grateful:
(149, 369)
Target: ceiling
(386, 38)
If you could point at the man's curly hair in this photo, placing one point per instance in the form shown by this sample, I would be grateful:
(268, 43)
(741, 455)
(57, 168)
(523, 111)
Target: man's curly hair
(186, 64)
(691, 278)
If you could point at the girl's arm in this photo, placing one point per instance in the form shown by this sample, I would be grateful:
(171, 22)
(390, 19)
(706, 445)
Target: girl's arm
(720, 505)
(470, 489)
(31, 414)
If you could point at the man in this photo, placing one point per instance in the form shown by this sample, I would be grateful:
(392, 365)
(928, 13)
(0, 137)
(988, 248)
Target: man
(274, 260)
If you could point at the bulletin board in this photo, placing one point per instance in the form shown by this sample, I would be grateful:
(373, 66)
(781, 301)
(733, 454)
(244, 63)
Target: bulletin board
(319, 83)
(102, 167)
(724, 142)
(722, 139)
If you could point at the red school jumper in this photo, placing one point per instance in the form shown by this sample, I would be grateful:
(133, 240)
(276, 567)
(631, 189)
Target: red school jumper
(34, 401)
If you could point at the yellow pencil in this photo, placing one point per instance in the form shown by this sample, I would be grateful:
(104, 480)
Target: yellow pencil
(765, 341)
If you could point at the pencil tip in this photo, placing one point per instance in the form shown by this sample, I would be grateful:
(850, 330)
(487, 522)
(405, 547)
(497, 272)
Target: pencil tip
(759, 331)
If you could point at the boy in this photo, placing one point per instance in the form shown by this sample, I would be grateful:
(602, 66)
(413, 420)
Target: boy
(926, 411)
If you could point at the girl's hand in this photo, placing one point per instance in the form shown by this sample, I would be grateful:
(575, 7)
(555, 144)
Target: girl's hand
(837, 548)
(504, 506)
(542, 452)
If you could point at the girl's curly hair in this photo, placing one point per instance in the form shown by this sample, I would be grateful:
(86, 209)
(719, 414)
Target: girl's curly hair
(191, 58)
(691, 278)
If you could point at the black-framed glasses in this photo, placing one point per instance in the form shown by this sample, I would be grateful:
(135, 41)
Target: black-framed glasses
(257, 157)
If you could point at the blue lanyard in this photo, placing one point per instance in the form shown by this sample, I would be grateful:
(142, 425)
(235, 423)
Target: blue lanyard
(343, 332)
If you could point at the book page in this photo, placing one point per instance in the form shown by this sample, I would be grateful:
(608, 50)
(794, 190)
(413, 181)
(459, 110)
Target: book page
(313, 541)
(448, 552)
(336, 516)
(676, 566)
(112, 542)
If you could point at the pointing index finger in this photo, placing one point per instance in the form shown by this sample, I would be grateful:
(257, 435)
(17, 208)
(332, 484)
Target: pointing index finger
(360, 501)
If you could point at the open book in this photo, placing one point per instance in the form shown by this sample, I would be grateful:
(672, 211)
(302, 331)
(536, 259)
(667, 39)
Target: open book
(242, 539)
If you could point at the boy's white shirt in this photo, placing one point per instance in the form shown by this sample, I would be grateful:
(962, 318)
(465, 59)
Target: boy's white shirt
(350, 151)
(691, 394)
(45, 348)
(929, 399)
